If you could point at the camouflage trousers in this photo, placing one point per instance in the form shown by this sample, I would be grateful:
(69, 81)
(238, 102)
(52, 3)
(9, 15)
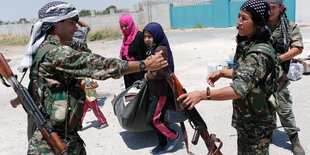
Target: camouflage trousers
(285, 112)
(254, 138)
(38, 145)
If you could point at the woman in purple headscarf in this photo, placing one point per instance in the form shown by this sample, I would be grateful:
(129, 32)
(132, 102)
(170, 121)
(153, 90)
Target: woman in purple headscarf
(133, 47)
(156, 40)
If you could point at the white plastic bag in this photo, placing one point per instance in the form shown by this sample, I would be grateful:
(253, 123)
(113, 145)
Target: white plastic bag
(295, 71)
(214, 66)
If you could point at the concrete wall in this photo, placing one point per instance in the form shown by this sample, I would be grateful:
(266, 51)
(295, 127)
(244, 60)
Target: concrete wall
(302, 12)
(157, 13)
(95, 23)
(154, 13)
(16, 29)
(110, 21)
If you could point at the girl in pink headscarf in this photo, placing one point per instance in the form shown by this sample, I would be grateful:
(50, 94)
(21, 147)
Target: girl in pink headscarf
(133, 47)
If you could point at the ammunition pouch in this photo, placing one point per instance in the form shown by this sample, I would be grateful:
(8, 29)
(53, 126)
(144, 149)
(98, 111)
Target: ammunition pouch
(59, 105)
(254, 106)
(261, 101)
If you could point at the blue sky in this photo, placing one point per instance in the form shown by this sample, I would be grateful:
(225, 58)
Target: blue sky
(13, 10)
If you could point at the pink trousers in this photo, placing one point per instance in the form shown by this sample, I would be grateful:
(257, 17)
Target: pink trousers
(156, 119)
(93, 105)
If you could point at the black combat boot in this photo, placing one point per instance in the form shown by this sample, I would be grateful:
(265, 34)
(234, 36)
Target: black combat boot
(296, 146)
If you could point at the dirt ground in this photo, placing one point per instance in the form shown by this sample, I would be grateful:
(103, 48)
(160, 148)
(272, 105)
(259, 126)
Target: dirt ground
(192, 50)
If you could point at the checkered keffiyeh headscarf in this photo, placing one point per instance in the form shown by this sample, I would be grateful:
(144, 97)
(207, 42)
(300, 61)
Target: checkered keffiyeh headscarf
(274, 1)
(81, 35)
(259, 10)
(49, 15)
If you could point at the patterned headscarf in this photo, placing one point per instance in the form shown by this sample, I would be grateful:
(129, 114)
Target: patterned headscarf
(129, 35)
(49, 15)
(274, 1)
(81, 35)
(160, 39)
(259, 10)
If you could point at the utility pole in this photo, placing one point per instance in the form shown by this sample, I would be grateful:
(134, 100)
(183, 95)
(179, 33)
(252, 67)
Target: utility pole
(149, 11)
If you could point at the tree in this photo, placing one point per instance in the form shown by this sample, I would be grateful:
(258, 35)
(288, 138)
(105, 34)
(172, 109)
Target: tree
(110, 7)
(84, 13)
(107, 10)
(22, 20)
(98, 13)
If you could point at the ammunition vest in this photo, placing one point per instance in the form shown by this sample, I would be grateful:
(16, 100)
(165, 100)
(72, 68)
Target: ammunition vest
(62, 105)
(263, 99)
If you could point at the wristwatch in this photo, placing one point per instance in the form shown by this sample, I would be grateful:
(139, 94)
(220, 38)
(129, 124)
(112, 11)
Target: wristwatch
(208, 94)
(142, 66)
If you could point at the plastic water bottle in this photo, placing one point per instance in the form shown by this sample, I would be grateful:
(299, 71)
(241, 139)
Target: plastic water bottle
(88, 83)
(211, 67)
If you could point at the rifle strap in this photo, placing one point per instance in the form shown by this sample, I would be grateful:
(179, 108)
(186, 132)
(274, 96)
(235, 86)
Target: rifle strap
(3, 81)
(23, 76)
(184, 132)
(214, 140)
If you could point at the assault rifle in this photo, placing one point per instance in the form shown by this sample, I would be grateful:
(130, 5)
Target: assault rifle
(31, 108)
(195, 120)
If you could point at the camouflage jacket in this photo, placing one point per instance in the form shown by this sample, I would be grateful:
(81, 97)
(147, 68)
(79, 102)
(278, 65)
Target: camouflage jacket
(295, 40)
(248, 72)
(57, 69)
(75, 45)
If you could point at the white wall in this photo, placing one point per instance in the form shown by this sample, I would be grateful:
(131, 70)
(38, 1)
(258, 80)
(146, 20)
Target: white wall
(95, 23)
(302, 12)
(158, 13)
(16, 29)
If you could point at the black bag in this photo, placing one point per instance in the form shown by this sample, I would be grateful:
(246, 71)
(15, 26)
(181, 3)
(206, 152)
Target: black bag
(131, 106)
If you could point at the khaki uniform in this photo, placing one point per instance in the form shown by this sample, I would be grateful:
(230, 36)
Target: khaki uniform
(285, 111)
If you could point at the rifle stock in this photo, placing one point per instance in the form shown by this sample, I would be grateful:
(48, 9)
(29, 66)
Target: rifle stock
(195, 119)
(54, 140)
(31, 108)
(5, 70)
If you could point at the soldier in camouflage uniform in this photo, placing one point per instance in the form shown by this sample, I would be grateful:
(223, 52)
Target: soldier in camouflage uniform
(287, 41)
(56, 69)
(253, 62)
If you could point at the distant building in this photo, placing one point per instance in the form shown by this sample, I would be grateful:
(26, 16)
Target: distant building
(123, 10)
(92, 13)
